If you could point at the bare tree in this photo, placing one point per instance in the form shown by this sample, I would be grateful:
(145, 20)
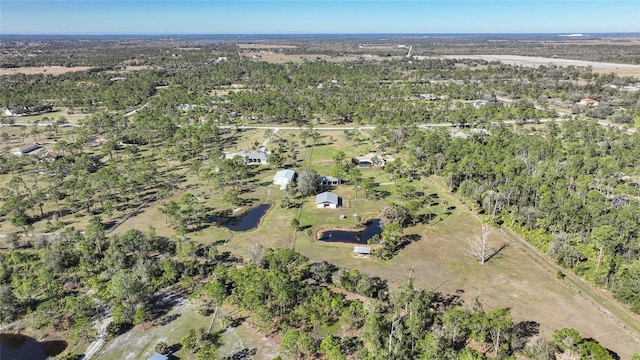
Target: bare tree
(479, 247)
(256, 255)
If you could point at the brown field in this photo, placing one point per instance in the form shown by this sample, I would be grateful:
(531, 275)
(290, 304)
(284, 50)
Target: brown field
(52, 70)
(276, 57)
(266, 46)
(532, 61)
(58, 70)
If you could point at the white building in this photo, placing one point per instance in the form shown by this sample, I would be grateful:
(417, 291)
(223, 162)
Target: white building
(284, 178)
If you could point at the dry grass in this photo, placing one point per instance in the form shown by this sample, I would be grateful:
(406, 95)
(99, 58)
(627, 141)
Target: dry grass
(59, 70)
(50, 70)
(532, 61)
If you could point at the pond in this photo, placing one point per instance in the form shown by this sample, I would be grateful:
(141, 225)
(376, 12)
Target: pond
(17, 346)
(355, 237)
(244, 222)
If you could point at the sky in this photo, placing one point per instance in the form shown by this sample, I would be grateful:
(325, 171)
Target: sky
(317, 16)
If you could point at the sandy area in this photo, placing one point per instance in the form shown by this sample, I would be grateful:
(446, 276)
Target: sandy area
(53, 70)
(532, 61)
(58, 70)
(266, 46)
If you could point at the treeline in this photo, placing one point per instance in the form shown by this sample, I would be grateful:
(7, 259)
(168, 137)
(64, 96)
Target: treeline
(571, 189)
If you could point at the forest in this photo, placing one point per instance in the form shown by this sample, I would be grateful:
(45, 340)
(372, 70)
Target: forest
(532, 159)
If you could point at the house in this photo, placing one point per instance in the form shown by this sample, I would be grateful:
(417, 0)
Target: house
(476, 104)
(25, 149)
(328, 181)
(620, 202)
(327, 200)
(362, 251)
(427, 97)
(95, 140)
(185, 107)
(284, 178)
(27, 110)
(370, 160)
(157, 356)
(257, 157)
(589, 102)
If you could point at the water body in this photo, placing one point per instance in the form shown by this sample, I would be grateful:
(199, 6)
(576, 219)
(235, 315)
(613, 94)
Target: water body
(353, 237)
(18, 347)
(244, 222)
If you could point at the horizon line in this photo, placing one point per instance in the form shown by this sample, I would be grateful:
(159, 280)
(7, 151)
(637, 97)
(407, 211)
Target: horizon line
(328, 33)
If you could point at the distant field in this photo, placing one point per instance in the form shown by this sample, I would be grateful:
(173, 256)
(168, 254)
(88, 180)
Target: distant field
(52, 70)
(56, 70)
(532, 61)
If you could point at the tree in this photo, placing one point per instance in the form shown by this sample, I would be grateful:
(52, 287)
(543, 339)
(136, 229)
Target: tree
(256, 255)
(8, 304)
(479, 247)
(307, 183)
(161, 348)
(567, 339)
(297, 344)
(394, 214)
(603, 237)
(391, 240)
(232, 196)
(295, 223)
(330, 347)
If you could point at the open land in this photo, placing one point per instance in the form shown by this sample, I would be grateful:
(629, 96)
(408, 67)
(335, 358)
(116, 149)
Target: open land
(520, 277)
(532, 61)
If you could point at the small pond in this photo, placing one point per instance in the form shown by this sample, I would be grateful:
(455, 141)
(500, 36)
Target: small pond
(244, 222)
(355, 237)
(16, 346)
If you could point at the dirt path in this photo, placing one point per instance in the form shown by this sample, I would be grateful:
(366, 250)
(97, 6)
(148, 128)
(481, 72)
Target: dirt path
(95, 346)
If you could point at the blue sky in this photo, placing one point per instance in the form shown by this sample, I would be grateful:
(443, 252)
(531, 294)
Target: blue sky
(316, 16)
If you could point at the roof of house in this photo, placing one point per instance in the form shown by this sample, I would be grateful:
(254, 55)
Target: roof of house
(326, 196)
(25, 149)
(157, 356)
(362, 249)
(288, 174)
(257, 154)
(369, 157)
(328, 179)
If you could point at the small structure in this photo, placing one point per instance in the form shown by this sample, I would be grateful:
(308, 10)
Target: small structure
(362, 251)
(25, 149)
(95, 140)
(370, 160)
(328, 181)
(284, 178)
(476, 104)
(257, 157)
(620, 202)
(327, 200)
(157, 356)
(427, 97)
(185, 107)
(589, 102)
